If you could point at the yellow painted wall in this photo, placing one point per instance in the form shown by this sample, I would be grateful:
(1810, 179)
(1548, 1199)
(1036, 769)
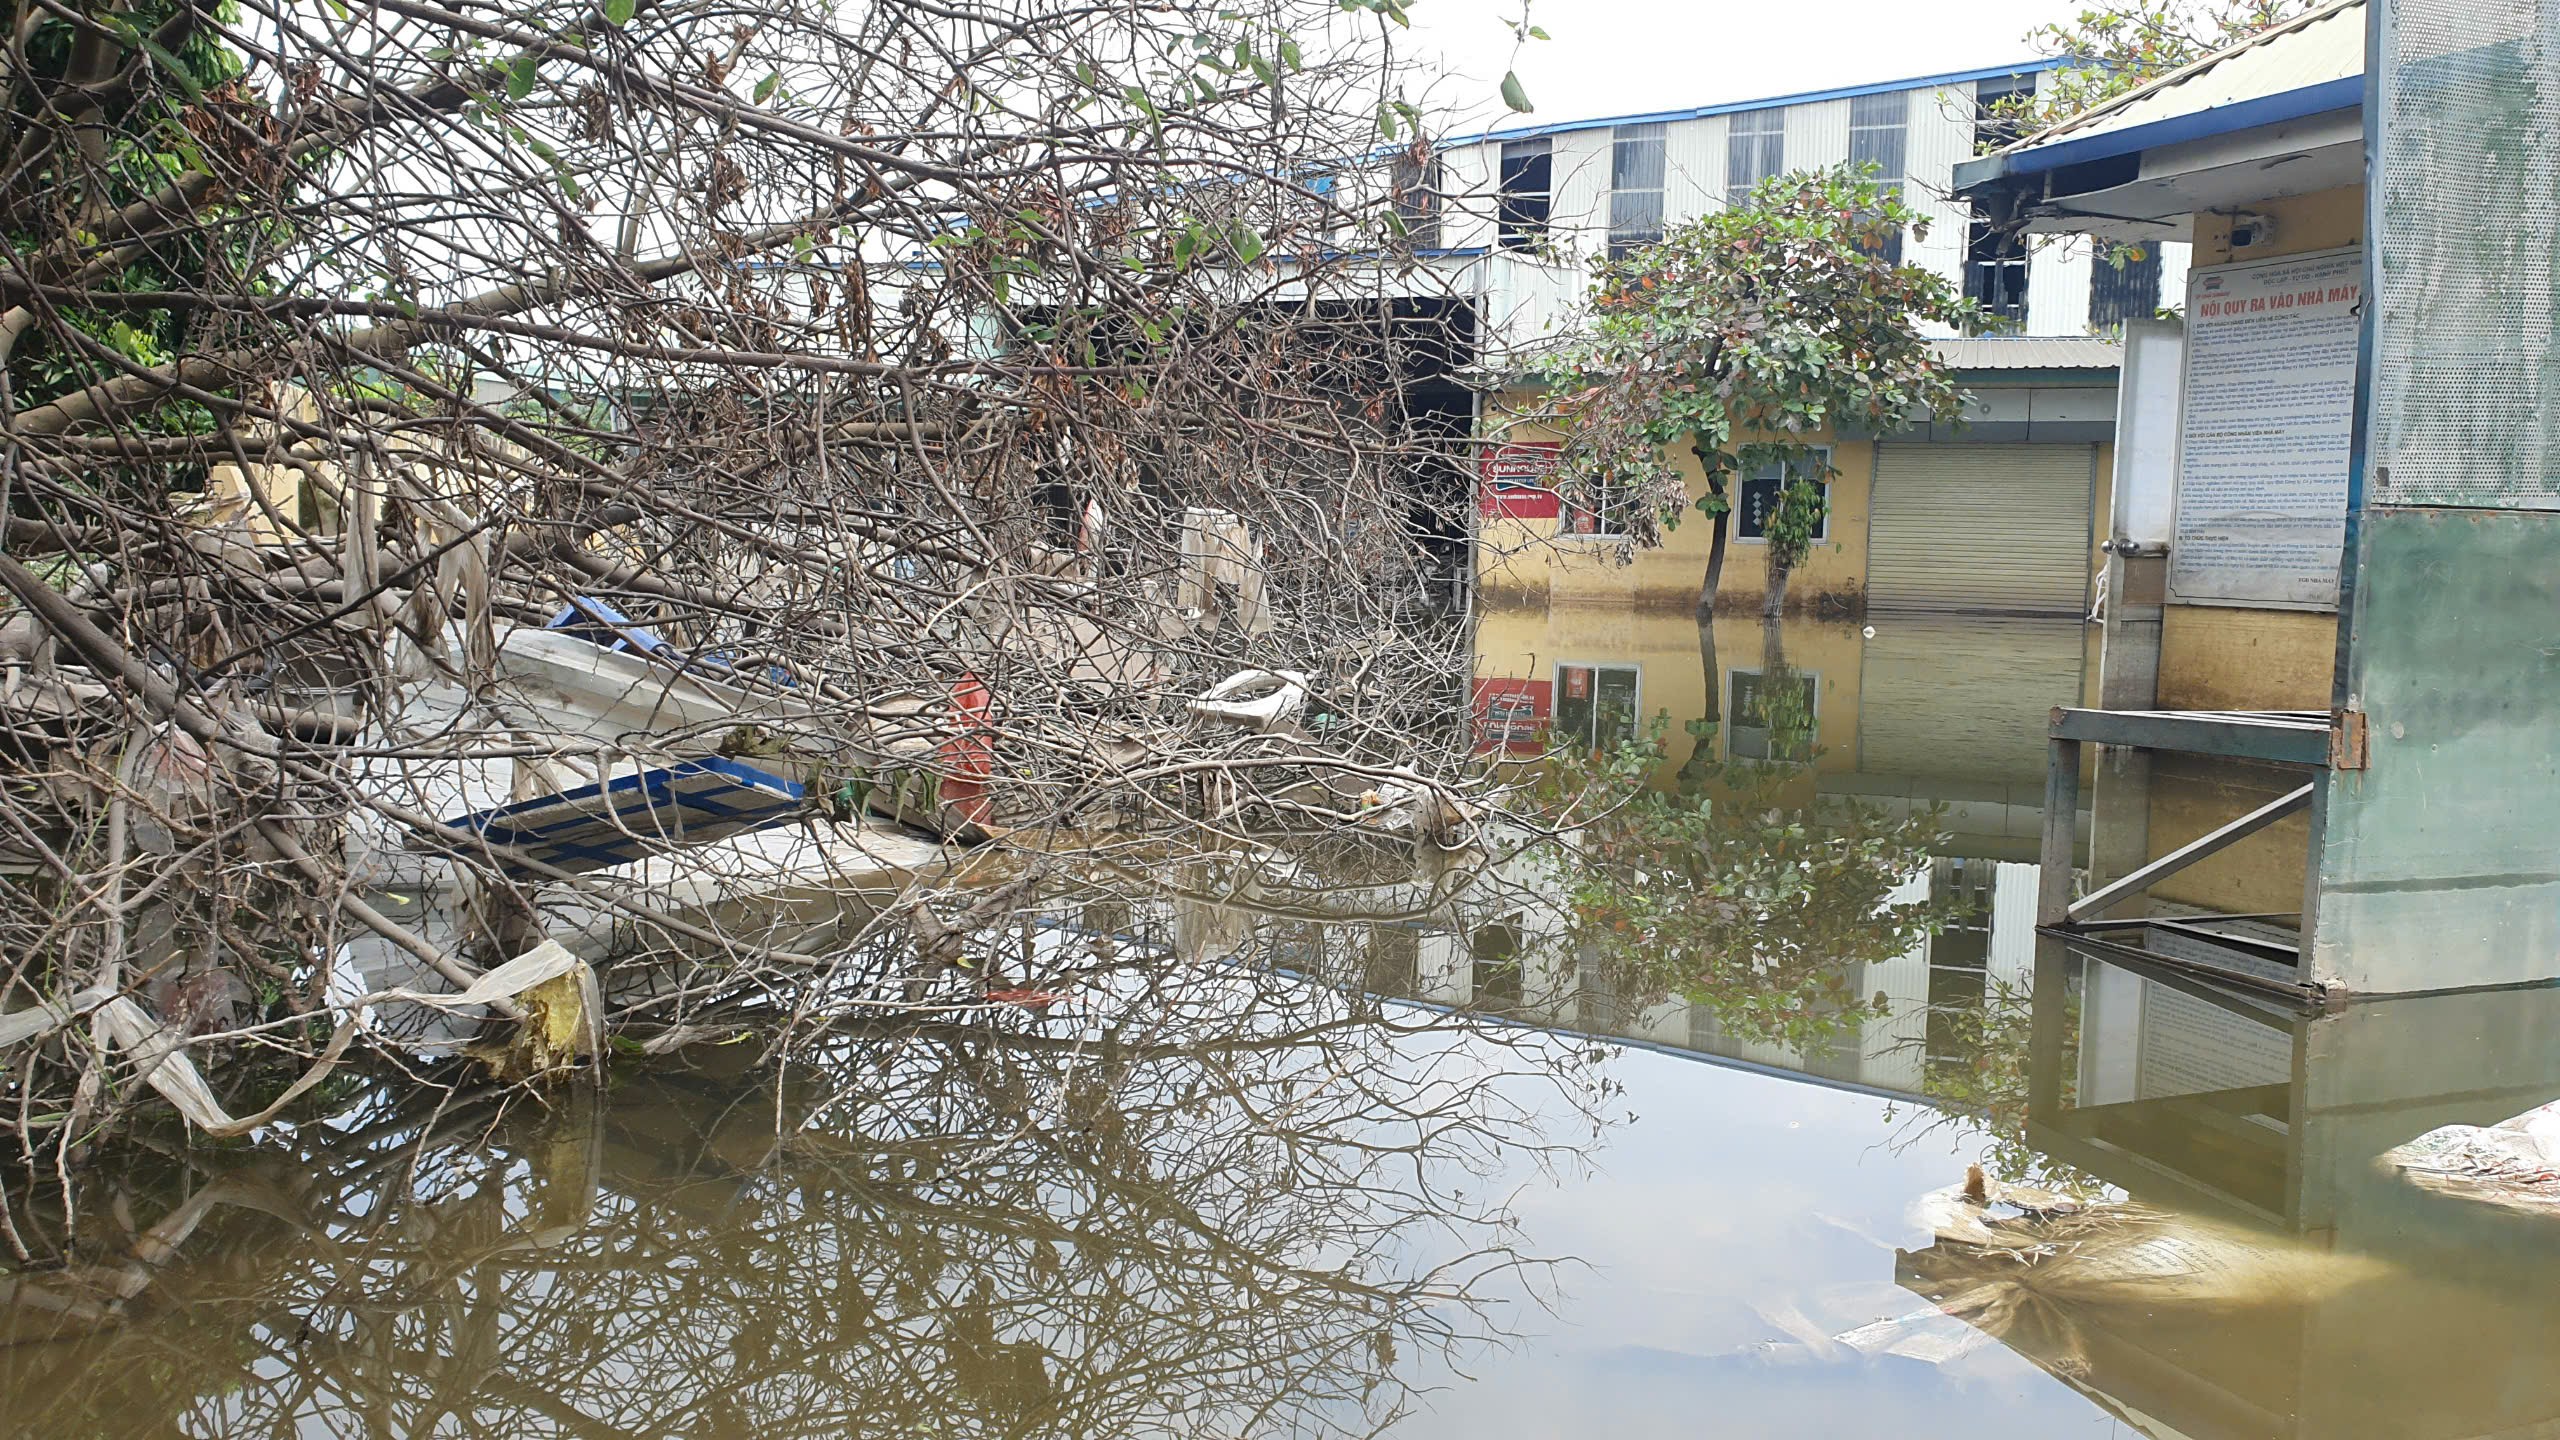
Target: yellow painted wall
(1528, 562)
(1528, 644)
(2263, 874)
(2225, 658)
(2214, 658)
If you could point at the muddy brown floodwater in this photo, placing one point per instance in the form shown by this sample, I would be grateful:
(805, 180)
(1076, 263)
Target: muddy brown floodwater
(1427, 1159)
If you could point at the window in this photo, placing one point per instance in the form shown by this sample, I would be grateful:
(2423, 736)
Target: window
(1528, 184)
(1417, 199)
(1635, 187)
(1758, 501)
(1995, 270)
(1494, 963)
(1769, 717)
(1596, 704)
(2122, 288)
(1592, 507)
(1991, 130)
(1995, 261)
(1877, 127)
(1755, 149)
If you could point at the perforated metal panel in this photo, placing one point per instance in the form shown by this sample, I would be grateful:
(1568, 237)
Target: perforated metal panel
(2466, 388)
(2438, 867)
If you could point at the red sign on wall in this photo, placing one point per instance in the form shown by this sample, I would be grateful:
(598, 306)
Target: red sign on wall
(1512, 481)
(1512, 715)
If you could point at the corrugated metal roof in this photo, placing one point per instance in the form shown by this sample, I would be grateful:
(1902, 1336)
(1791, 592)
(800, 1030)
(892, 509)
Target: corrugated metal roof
(2031, 352)
(2323, 46)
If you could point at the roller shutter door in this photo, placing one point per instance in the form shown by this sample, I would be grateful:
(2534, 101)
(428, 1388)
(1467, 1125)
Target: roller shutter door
(1965, 700)
(2001, 529)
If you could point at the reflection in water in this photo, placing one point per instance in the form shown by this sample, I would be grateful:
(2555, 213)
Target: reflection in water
(1222, 1188)
(2270, 1271)
(1212, 1201)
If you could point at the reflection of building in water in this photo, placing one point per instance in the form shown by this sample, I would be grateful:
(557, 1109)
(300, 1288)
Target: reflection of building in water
(1510, 955)
(2314, 1292)
(1927, 711)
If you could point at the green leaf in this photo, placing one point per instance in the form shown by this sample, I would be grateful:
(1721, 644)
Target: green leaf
(1249, 245)
(177, 68)
(619, 12)
(1386, 120)
(1536, 33)
(766, 86)
(1291, 56)
(520, 75)
(1512, 93)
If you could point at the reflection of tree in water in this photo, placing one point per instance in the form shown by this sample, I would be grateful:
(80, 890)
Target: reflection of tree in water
(1730, 885)
(1209, 1201)
(1982, 1078)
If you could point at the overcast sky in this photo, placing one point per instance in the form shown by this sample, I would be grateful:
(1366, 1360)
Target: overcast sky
(1617, 57)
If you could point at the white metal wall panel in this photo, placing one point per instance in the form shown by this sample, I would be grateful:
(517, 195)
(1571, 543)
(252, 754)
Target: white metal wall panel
(2010, 968)
(1523, 302)
(1466, 210)
(2175, 258)
(1581, 209)
(1940, 134)
(1694, 167)
(2058, 287)
(1817, 135)
(1990, 528)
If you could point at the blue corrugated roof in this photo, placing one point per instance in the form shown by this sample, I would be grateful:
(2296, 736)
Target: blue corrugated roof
(1733, 107)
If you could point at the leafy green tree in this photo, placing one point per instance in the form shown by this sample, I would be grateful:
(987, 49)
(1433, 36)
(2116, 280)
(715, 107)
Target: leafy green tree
(139, 88)
(2124, 46)
(1744, 336)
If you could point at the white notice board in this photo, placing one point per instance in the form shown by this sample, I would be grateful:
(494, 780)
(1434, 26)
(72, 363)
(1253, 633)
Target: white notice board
(2263, 431)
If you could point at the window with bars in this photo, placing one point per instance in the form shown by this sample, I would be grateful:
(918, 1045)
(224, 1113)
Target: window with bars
(1416, 182)
(1756, 502)
(1755, 149)
(2122, 288)
(1593, 507)
(1878, 127)
(1636, 164)
(1526, 195)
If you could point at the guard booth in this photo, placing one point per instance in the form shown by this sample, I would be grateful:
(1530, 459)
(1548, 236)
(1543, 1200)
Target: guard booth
(2338, 483)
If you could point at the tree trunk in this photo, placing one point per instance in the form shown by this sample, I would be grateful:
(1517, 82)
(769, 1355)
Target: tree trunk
(1774, 604)
(1714, 584)
(1693, 771)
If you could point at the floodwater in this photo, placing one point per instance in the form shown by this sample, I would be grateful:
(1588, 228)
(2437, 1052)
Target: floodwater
(1400, 1155)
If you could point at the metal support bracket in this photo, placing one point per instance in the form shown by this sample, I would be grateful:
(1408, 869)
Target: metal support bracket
(2211, 843)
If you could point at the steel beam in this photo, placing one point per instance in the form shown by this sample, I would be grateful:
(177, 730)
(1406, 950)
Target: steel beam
(2210, 843)
(2061, 825)
(2280, 737)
